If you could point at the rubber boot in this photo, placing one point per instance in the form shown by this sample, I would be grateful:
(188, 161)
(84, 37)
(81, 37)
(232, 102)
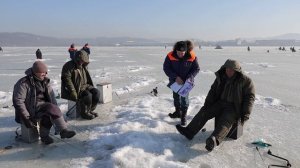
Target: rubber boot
(84, 112)
(183, 117)
(211, 143)
(94, 114)
(92, 110)
(184, 131)
(87, 115)
(175, 114)
(65, 133)
(44, 134)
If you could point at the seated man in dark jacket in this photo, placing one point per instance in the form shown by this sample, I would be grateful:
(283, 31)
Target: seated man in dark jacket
(77, 85)
(34, 99)
(230, 97)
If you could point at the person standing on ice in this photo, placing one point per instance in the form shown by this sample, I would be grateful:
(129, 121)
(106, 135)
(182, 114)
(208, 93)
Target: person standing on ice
(180, 65)
(77, 85)
(72, 50)
(38, 54)
(34, 99)
(230, 97)
(86, 48)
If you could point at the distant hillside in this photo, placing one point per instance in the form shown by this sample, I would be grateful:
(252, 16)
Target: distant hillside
(289, 36)
(26, 39)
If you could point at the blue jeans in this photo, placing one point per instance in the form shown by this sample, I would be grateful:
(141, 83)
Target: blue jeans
(181, 102)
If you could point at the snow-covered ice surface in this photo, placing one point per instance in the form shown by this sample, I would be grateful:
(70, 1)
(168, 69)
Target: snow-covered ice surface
(135, 131)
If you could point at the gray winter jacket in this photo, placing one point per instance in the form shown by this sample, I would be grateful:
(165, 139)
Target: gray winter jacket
(24, 96)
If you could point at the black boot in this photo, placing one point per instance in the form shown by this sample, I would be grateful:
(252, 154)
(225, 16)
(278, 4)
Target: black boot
(93, 107)
(185, 132)
(176, 114)
(47, 140)
(84, 112)
(87, 116)
(211, 143)
(94, 113)
(183, 117)
(45, 131)
(67, 133)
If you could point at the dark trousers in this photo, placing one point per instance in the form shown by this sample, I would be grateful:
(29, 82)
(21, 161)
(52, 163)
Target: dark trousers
(227, 117)
(47, 113)
(90, 98)
(180, 102)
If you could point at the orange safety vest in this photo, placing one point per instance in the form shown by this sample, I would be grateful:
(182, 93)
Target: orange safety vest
(172, 57)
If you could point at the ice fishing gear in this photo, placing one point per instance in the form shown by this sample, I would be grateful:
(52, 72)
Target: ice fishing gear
(70, 111)
(117, 94)
(154, 91)
(259, 154)
(271, 165)
(261, 143)
(288, 164)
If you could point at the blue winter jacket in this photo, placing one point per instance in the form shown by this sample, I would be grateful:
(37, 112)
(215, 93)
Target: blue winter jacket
(186, 67)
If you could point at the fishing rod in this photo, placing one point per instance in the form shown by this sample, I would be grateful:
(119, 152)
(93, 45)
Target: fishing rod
(288, 164)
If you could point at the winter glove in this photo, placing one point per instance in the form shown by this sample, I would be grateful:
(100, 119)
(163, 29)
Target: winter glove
(179, 80)
(90, 87)
(28, 123)
(73, 95)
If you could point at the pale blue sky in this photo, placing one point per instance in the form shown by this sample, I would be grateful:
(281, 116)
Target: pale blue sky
(186, 19)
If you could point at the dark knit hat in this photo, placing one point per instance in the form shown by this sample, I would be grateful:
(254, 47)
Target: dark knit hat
(181, 46)
(39, 67)
(82, 55)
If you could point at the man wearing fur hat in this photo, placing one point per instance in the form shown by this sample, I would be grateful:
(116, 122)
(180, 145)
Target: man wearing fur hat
(34, 99)
(77, 85)
(180, 65)
(231, 98)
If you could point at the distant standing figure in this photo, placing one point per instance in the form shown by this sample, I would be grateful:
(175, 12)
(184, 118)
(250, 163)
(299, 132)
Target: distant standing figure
(72, 50)
(38, 54)
(293, 49)
(248, 48)
(86, 48)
